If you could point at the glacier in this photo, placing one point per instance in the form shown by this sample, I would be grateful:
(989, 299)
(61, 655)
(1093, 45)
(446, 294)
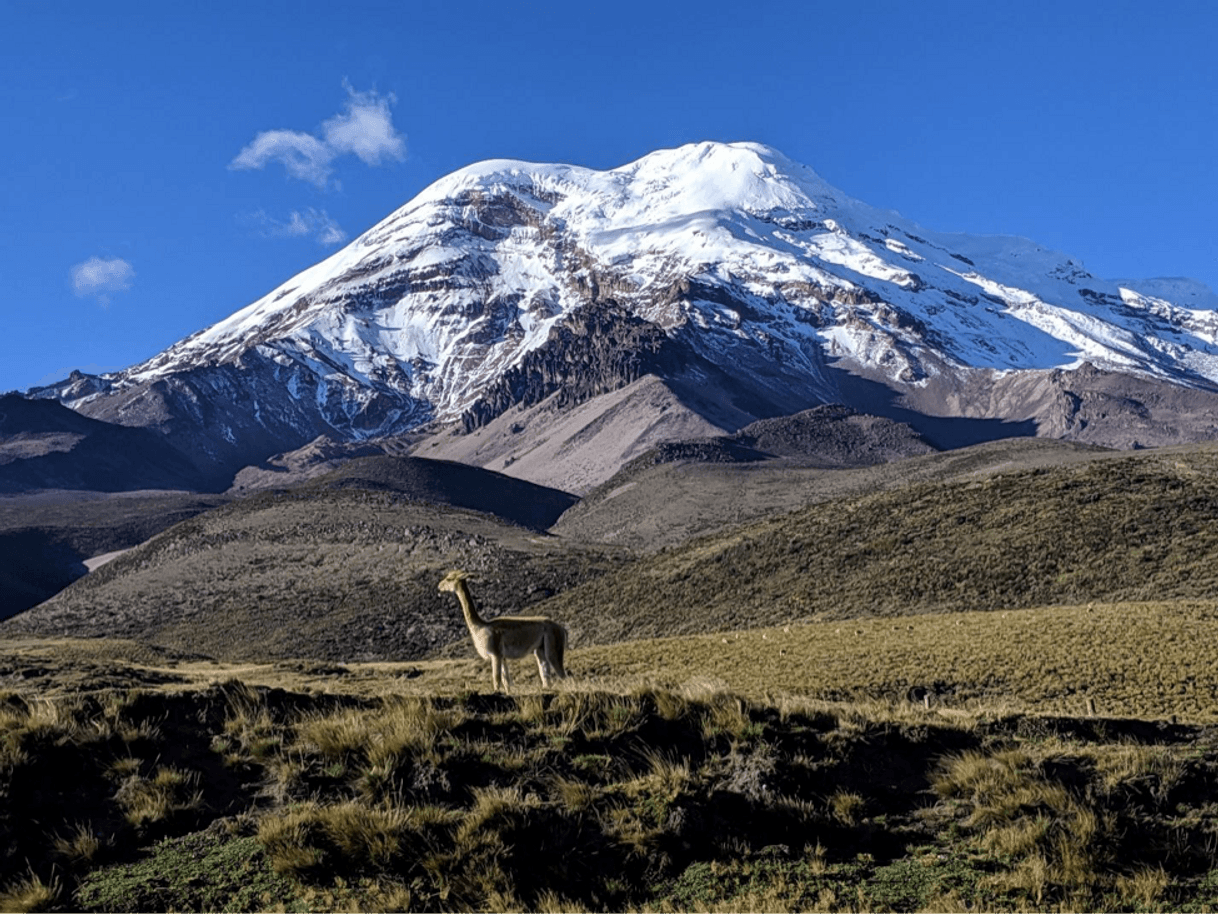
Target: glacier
(748, 258)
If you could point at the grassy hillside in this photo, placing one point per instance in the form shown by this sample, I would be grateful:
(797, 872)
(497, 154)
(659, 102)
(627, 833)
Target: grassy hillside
(336, 574)
(349, 573)
(46, 536)
(1130, 528)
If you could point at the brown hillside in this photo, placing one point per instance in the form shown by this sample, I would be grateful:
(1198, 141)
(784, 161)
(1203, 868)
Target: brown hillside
(1125, 528)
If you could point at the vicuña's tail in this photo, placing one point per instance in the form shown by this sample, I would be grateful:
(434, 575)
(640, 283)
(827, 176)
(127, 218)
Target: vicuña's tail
(560, 650)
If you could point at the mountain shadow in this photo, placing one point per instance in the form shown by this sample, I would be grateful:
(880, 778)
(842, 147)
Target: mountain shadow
(47, 537)
(945, 433)
(444, 482)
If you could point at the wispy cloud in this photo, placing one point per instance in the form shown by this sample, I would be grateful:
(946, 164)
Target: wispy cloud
(101, 277)
(364, 129)
(304, 156)
(310, 222)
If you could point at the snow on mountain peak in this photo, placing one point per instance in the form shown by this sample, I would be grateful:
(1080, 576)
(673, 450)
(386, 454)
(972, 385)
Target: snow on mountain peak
(749, 257)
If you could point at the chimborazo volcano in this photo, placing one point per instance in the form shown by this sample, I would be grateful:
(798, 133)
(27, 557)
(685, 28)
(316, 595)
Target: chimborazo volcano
(552, 321)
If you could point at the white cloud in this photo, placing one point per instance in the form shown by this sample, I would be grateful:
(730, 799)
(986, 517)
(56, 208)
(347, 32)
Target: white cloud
(364, 129)
(101, 277)
(317, 223)
(303, 156)
(296, 225)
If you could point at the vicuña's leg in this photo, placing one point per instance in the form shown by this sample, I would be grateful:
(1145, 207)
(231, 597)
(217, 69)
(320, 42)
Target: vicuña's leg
(496, 671)
(551, 650)
(543, 665)
(505, 675)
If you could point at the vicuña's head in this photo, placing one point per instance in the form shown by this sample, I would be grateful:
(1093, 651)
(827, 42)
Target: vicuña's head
(452, 579)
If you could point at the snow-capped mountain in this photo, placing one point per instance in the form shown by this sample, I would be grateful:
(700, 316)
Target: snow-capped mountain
(726, 264)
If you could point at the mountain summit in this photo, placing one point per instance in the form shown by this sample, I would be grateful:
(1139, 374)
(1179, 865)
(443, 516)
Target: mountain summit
(738, 277)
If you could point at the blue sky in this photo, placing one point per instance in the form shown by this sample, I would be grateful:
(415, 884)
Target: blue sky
(163, 165)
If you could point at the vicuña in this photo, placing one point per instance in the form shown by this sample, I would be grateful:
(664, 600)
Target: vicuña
(510, 637)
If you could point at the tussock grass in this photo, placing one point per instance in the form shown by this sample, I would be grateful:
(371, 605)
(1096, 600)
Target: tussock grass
(644, 798)
(1074, 824)
(309, 838)
(30, 893)
(81, 846)
(169, 792)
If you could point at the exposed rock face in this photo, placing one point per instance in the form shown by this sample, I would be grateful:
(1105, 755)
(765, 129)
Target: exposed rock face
(602, 348)
(598, 349)
(224, 417)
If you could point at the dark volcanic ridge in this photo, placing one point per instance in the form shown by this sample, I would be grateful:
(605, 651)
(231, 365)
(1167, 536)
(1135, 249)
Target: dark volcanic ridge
(830, 437)
(835, 436)
(444, 482)
(44, 445)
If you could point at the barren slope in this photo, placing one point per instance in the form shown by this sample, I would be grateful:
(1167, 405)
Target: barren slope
(651, 506)
(577, 448)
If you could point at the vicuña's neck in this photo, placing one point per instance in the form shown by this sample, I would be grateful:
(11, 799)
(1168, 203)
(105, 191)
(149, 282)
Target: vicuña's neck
(472, 618)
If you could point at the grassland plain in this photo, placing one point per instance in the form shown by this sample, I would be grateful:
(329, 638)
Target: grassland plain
(1144, 660)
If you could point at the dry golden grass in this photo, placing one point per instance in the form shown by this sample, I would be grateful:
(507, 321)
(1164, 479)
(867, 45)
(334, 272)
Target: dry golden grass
(168, 792)
(30, 893)
(1153, 660)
